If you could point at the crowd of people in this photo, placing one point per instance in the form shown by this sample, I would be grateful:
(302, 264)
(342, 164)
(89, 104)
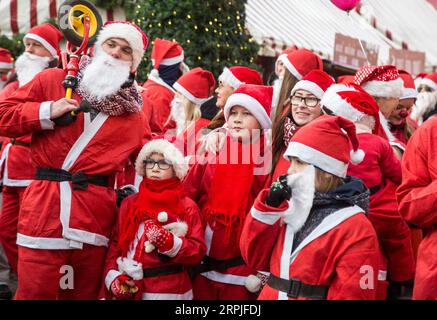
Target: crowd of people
(191, 187)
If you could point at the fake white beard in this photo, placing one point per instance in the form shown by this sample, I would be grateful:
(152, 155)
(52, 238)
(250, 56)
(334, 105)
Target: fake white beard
(104, 75)
(28, 66)
(178, 114)
(302, 186)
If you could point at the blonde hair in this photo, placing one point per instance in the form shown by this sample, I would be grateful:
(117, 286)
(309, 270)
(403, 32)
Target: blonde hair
(192, 112)
(326, 182)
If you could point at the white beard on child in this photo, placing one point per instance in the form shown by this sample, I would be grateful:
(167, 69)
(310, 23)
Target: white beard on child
(105, 74)
(178, 114)
(28, 66)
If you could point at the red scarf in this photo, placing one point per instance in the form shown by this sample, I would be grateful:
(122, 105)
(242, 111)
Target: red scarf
(154, 196)
(229, 196)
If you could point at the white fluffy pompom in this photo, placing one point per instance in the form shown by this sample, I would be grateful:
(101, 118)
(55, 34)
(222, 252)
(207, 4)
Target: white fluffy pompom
(162, 217)
(149, 247)
(357, 156)
(253, 283)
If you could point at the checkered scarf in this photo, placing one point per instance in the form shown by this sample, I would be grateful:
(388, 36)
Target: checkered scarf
(290, 129)
(125, 100)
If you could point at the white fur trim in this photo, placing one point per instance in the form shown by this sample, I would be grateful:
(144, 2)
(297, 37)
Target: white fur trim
(250, 104)
(44, 115)
(189, 95)
(128, 33)
(170, 152)
(408, 93)
(44, 43)
(171, 61)
(385, 89)
(6, 65)
(357, 156)
(291, 68)
(130, 267)
(229, 78)
(177, 245)
(310, 87)
(269, 218)
(429, 83)
(316, 158)
(110, 277)
(179, 228)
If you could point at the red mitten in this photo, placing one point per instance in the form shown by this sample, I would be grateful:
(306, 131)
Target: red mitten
(158, 236)
(119, 288)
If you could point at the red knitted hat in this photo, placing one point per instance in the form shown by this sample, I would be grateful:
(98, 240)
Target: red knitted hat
(324, 144)
(6, 60)
(301, 61)
(409, 88)
(257, 99)
(380, 81)
(350, 101)
(48, 36)
(166, 53)
(236, 76)
(315, 82)
(197, 85)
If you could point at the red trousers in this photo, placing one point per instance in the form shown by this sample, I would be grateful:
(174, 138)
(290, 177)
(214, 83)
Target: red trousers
(60, 274)
(12, 197)
(205, 289)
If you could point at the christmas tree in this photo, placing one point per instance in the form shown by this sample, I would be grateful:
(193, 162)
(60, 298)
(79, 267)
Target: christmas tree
(211, 32)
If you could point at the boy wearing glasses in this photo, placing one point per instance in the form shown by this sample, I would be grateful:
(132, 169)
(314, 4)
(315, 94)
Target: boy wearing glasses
(158, 234)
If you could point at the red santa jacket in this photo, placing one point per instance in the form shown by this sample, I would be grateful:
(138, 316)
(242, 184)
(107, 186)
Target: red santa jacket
(53, 215)
(160, 96)
(187, 250)
(188, 140)
(198, 184)
(16, 164)
(382, 169)
(339, 253)
(417, 198)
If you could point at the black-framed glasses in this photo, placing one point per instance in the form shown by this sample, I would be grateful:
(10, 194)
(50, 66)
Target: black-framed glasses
(162, 164)
(308, 101)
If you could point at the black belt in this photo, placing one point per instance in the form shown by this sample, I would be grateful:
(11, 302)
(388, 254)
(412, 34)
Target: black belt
(16, 142)
(209, 264)
(375, 189)
(162, 271)
(80, 179)
(294, 288)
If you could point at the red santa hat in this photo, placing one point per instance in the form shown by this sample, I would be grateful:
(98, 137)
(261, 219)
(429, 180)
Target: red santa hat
(48, 36)
(380, 81)
(284, 54)
(197, 85)
(346, 79)
(350, 101)
(301, 61)
(166, 53)
(409, 88)
(170, 153)
(430, 80)
(315, 82)
(236, 76)
(256, 99)
(6, 60)
(326, 144)
(128, 31)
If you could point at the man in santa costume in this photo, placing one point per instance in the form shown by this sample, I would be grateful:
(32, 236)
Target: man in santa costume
(426, 103)
(168, 66)
(41, 52)
(417, 198)
(69, 209)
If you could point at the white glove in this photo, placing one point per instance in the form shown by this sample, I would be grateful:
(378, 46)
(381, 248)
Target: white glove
(302, 195)
(425, 101)
(215, 141)
(130, 267)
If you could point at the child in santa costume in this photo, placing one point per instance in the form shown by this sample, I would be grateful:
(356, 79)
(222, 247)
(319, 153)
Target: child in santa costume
(225, 186)
(159, 232)
(68, 211)
(41, 52)
(192, 90)
(379, 167)
(319, 244)
(417, 203)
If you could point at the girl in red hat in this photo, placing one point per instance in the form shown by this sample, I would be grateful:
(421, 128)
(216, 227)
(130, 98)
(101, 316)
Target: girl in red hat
(319, 244)
(225, 186)
(158, 233)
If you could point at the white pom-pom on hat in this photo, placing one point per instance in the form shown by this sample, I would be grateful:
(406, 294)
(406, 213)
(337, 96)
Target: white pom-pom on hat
(357, 156)
(162, 217)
